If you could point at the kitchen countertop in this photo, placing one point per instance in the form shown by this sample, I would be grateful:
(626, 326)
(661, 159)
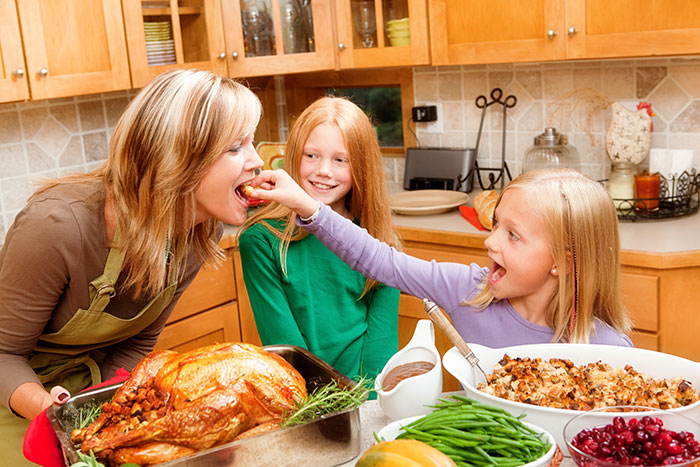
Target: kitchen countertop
(372, 419)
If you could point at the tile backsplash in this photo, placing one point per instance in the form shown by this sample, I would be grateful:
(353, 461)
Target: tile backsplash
(671, 85)
(55, 137)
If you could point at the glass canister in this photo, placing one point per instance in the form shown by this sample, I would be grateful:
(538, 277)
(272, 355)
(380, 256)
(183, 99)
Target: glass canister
(621, 185)
(551, 150)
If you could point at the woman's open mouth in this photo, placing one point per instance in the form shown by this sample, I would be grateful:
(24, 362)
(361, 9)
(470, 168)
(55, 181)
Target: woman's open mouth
(496, 273)
(243, 191)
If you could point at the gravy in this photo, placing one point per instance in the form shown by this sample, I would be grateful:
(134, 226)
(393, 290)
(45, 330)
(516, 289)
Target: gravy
(402, 372)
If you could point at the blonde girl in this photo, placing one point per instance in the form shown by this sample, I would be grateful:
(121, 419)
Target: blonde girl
(554, 252)
(300, 292)
(94, 263)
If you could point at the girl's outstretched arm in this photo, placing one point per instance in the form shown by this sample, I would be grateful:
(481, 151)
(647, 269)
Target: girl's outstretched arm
(277, 185)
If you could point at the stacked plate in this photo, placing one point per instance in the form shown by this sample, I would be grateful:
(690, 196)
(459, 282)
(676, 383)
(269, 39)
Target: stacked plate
(160, 48)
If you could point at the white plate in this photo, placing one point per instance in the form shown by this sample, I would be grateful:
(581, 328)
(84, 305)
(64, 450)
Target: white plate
(392, 430)
(655, 364)
(424, 202)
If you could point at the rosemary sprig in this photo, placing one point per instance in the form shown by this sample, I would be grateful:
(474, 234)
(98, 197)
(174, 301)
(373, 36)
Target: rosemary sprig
(328, 399)
(87, 414)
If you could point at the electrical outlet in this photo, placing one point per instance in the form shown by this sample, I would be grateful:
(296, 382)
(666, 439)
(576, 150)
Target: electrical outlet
(425, 113)
(435, 126)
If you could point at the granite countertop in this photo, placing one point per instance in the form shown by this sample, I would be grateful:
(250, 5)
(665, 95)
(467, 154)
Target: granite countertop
(372, 419)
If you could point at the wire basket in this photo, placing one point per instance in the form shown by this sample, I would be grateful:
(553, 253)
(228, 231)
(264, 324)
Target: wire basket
(678, 196)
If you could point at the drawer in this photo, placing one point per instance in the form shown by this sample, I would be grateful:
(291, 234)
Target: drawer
(208, 327)
(211, 287)
(447, 256)
(640, 294)
(645, 340)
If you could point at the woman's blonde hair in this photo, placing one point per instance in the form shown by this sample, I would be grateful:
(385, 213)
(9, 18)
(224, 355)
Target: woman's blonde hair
(166, 140)
(367, 199)
(581, 220)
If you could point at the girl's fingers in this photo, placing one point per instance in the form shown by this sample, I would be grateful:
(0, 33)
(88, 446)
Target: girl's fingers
(59, 395)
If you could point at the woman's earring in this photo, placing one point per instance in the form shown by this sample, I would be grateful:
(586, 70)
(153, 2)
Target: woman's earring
(554, 271)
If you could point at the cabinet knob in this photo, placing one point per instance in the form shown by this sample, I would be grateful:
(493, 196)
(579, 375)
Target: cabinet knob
(551, 34)
(342, 46)
(43, 72)
(572, 31)
(235, 55)
(221, 56)
(18, 73)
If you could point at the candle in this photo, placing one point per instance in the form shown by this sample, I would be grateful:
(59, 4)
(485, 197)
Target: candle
(647, 191)
(621, 185)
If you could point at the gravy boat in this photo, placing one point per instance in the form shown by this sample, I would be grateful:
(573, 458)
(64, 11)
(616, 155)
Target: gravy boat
(413, 395)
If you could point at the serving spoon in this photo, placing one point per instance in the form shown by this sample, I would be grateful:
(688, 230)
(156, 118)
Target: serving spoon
(440, 319)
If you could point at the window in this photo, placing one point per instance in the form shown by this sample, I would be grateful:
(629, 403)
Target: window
(382, 105)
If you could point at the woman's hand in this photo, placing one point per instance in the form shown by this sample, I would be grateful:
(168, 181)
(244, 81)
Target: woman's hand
(277, 185)
(30, 399)
(59, 395)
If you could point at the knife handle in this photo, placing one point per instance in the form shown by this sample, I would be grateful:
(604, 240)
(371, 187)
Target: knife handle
(440, 319)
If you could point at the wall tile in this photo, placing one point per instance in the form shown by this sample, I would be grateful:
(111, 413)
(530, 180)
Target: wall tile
(688, 121)
(66, 115)
(588, 78)
(450, 86)
(92, 115)
(618, 83)
(14, 162)
(531, 81)
(425, 88)
(474, 85)
(38, 160)
(9, 128)
(95, 145)
(114, 109)
(648, 78)
(557, 83)
(668, 99)
(453, 116)
(688, 77)
(15, 192)
(72, 154)
(52, 137)
(32, 118)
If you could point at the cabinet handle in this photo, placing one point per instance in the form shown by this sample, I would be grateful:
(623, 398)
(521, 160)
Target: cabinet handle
(18, 73)
(221, 56)
(43, 72)
(342, 46)
(572, 31)
(235, 55)
(551, 34)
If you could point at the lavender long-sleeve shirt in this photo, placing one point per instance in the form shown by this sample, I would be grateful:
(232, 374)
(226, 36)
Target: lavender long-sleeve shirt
(446, 284)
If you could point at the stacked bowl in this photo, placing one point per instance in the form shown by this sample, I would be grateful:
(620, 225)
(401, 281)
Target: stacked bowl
(398, 31)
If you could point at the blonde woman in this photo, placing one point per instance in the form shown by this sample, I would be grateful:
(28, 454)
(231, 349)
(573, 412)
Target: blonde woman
(94, 263)
(300, 292)
(554, 252)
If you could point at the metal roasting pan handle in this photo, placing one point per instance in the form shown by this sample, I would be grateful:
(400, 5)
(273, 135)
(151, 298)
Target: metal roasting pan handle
(440, 319)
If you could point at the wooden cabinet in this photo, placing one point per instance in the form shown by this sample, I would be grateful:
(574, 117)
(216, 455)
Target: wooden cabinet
(629, 28)
(174, 34)
(493, 31)
(73, 47)
(268, 37)
(207, 312)
(382, 33)
(13, 76)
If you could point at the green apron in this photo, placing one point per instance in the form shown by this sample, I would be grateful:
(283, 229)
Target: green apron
(71, 356)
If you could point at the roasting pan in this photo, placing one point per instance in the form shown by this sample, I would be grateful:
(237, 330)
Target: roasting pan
(331, 440)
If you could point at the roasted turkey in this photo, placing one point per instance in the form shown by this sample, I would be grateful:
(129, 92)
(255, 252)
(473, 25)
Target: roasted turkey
(175, 404)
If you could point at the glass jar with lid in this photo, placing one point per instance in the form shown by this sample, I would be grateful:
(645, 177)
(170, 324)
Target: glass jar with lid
(551, 150)
(621, 185)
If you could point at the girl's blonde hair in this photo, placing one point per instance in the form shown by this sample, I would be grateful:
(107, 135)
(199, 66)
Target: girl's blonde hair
(367, 199)
(166, 140)
(581, 220)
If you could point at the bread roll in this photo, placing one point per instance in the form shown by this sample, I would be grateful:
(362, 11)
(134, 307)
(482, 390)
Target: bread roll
(484, 204)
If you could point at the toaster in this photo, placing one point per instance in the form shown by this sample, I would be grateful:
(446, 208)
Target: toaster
(439, 169)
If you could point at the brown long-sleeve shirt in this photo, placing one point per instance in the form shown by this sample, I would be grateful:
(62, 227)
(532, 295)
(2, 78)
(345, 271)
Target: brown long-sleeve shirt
(55, 247)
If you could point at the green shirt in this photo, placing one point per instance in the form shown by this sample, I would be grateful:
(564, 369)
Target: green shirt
(315, 305)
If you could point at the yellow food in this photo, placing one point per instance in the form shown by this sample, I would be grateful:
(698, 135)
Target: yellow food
(247, 191)
(404, 453)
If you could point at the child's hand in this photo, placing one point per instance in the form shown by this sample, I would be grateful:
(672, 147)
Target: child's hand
(277, 185)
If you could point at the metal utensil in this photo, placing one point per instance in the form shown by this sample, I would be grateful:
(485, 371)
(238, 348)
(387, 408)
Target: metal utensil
(441, 321)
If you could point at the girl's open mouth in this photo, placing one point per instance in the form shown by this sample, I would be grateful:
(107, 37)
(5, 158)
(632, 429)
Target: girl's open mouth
(496, 273)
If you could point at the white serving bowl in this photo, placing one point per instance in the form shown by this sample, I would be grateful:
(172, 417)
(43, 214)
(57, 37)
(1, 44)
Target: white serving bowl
(393, 429)
(655, 364)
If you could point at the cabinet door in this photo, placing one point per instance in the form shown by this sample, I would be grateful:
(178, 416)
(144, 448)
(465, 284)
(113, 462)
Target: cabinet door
(167, 34)
(382, 33)
(73, 47)
(209, 327)
(626, 28)
(493, 31)
(268, 37)
(13, 76)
